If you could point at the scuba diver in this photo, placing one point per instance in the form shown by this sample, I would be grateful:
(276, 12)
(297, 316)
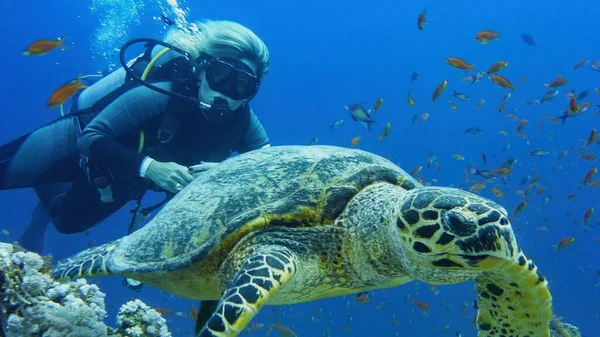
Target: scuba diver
(145, 126)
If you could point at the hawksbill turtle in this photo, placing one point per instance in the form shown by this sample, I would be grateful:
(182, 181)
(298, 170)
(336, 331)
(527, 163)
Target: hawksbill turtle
(291, 224)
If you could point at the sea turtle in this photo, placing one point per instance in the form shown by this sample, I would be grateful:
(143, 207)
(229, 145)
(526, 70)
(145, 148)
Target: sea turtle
(290, 224)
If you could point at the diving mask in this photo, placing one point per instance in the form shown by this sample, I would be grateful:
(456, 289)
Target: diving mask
(230, 77)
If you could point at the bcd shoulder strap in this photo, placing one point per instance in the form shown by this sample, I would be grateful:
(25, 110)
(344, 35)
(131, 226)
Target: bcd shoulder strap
(184, 82)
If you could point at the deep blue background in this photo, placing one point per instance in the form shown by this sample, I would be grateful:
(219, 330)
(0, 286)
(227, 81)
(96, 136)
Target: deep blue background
(329, 54)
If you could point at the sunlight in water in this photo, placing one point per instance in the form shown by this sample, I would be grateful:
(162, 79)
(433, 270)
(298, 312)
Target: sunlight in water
(117, 19)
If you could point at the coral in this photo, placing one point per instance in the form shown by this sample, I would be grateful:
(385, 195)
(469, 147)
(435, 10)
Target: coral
(558, 328)
(34, 304)
(136, 319)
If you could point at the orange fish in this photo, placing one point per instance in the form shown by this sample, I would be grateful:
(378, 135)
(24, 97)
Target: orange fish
(410, 100)
(193, 313)
(587, 216)
(416, 170)
(386, 131)
(553, 120)
(521, 206)
(589, 176)
(502, 171)
(592, 138)
(439, 90)
(163, 311)
(378, 105)
(573, 104)
(502, 81)
(422, 20)
(588, 156)
(422, 305)
(559, 81)
(362, 297)
(540, 190)
(486, 36)
(459, 63)
(564, 242)
(254, 327)
(354, 141)
(477, 187)
(283, 330)
(581, 64)
(521, 125)
(501, 108)
(497, 193)
(497, 67)
(43, 47)
(522, 80)
(63, 93)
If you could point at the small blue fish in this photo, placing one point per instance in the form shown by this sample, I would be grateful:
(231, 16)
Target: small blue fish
(538, 152)
(460, 96)
(549, 95)
(474, 130)
(414, 77)
(336, 124)
(474, 78)
(528, 39)
(360, 114)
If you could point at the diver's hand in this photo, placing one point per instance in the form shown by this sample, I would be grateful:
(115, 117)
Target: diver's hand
(169, 176)
(196, 170)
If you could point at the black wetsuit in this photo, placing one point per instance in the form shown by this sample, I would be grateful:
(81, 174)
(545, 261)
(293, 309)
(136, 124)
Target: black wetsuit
(48, 159)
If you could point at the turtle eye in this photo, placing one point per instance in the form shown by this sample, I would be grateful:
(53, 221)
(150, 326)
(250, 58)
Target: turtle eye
(457, 223)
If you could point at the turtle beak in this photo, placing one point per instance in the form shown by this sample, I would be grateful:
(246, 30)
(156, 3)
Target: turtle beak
(492, 248)
(489, 246)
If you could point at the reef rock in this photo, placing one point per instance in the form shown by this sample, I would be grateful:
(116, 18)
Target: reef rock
(34, 304)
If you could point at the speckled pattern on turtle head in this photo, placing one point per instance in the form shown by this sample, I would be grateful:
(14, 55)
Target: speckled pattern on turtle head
(290, 224)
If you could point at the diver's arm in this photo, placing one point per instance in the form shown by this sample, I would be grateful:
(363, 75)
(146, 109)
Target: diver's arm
(256, 137)
(131, 112)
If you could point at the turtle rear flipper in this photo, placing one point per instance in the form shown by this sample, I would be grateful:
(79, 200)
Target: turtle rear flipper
(514, 301)
(259, 278)
(90, 262)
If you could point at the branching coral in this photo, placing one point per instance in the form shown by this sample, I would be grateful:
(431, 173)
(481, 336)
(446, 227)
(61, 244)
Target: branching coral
(34, 304)
(562, 329)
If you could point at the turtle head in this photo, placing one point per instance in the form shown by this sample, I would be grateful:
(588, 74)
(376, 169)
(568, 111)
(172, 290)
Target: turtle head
(449, 235)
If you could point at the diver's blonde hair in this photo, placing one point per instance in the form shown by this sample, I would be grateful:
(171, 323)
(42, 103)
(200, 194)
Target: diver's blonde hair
(220, 38)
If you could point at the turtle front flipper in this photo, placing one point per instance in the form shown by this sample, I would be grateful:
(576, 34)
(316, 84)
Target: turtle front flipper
(259, 278)
(90, 262)
(514, 301)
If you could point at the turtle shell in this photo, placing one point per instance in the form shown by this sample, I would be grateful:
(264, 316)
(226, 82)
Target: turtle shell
(277, 186)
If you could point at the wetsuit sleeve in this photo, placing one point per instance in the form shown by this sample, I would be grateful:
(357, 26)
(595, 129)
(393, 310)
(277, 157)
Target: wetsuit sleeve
(132, 111)
(256, 137)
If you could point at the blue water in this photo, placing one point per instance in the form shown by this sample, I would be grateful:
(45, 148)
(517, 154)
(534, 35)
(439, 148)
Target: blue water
(326, 54)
